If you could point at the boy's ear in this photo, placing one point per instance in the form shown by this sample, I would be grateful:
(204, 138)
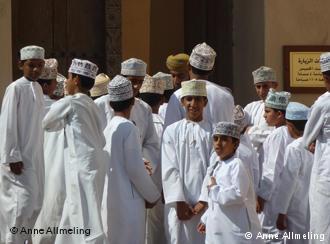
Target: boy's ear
(205, 101)
(20, 64)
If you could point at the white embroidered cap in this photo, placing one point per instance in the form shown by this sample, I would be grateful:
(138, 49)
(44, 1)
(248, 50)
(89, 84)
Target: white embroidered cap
(325, 62)
(167, 78)
(100, 85)
(193, 88)
(59, 91)
(133, 67)
(49, 71)
(227, 129)
(277, 100)
(202, 57)
(32, 52)
(263, 74)
(296, 111)
(83, 67)
(152, 85)
(240, 117)
(120, 89)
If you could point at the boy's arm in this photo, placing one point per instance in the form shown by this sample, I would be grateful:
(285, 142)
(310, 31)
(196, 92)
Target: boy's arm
(55, 119)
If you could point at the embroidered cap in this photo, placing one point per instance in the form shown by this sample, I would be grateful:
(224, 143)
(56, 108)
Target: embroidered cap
(296, 111)
(193, 88)
(240, 117)
(120, 89)
(152, 85)
(202, 57)
(227, 129)
(263, 74)
(277, 100)
(325, 62)
(83, 67)
(100, 86)
(167, 78)
(59, 91)
(32, 52)
(49, 71)
(133, 67)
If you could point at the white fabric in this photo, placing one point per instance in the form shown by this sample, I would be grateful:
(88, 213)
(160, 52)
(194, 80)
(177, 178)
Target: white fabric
(21, 140)
(162, 110)
(292, 198)
(47, 102)
(231, 210)
(84, 167)
(141, 115)
(318, 128)
(219, 107)
(186, 149)
(128, 185)
(274, 149)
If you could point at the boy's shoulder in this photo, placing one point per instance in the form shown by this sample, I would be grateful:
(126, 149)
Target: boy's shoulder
(105, 99)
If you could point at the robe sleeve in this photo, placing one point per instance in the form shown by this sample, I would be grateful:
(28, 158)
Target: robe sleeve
(10, 150)
(102, 108)
(313, 125)
(237, 192)
(204, 191)
(248, 109)
(274, 155)
(174, 111)
(256, 170)
(172, 182)
(135, 168)
(288, 179)
(55, 119)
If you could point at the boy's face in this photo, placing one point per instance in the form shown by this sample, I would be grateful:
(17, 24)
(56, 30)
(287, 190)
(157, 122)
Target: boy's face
(136, 83)
(224, 146)
(327, 82)
(262, 88)
(32, 68)
(71, 84)
(178, 77)
(272, 117)
(194, 106)
(49, 89)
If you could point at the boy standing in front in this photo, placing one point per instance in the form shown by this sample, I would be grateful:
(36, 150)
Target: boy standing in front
(21, 148)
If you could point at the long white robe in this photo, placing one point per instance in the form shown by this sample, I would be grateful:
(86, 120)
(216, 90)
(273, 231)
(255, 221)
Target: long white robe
(128, 185)
(292, 198)
(84, 167)
(162, 110)
(219, 107)
(231, 210)
(141, 115)
(186, 149)
(318, 128)
(21, 140)
(54, 194)
(274, 149)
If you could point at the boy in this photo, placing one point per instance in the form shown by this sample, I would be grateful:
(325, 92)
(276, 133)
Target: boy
(292, 199)
(274, 148)
(231, 211)
(168, 91)
(186, 149)
(21, 148)
(86, 159)
(129, 188)
(178, 67)
(317, 129)
(220, 102)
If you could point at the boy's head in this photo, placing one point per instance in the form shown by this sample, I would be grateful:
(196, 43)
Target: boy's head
(135, 70)
(152, 91)
(275, 106)
(47, 79)
(226, 139)
(100, 87)
(240, 118)
(168, 82)
(194, 99)
(82, 75)
(178, 67)
(32, 61)
(201, 61)
(296, 118)
(120, 94)
(325, 69)
(264, 78)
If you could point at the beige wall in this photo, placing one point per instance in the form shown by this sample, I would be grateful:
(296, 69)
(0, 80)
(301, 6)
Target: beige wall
(294, 22)
(5, 46)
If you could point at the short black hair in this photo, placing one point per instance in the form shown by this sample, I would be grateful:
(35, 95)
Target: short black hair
(327, 73)
(152, 99)
(122, 105)
(299, 124)
(86, 82)
(168, 94)
(200, 71)
(279, 110)
(44, 81)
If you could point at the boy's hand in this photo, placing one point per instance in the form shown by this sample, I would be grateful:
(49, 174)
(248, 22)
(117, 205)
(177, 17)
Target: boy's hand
(199, 207)
(311, 147)
(281, 223)
(201, 228)
(16, 168)
(184, 211)
(148, 166)
(260, 204)
(213, 182)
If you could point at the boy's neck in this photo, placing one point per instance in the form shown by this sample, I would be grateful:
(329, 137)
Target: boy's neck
(279, 124)
(29, 79)
(125, 114)
(195, 120)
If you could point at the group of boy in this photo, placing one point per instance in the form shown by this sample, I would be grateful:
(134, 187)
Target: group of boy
(166, 158)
